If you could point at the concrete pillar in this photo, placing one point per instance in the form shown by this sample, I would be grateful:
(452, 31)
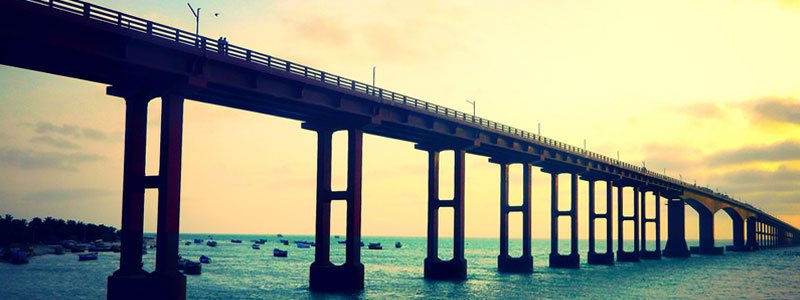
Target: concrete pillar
(655, 253)
(622, 255)
(676, 230)
(524, 263)
(572, 260)
(167, 281)
(435, 268)
(130, 280)
(738, 234)
(324, 276)
(594, 258)
(752, 243)
(706, 238)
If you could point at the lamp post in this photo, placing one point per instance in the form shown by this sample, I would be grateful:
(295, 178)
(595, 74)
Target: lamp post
(473, 106)
(196, 14)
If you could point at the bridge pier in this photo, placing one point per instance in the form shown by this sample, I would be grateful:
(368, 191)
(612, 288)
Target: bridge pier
(752, 241)
(324, 275)
(622, 255)
(738, 234)
(655, 253)
(130, 281)
(676, 229)
(435, 268)
(571, 260)
(506, 263)
(594, 258)
(706, 238)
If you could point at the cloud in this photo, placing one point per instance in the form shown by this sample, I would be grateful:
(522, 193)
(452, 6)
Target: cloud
(55, 142)
(702, 110)
(38, 160)
(67, 194)
(784, 151)
(71, 131)
(774, 109)
(783, 179)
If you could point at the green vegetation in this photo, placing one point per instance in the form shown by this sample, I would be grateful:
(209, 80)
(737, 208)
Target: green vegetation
(51, 230)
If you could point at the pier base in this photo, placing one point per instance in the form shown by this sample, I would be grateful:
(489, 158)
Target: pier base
(707, 250)
(600, 258)
(623, 256)
(167, 287)
(655, 254)
(454, 269)
(124, 287)
(330, 278)
(571, 261)
(507, 264)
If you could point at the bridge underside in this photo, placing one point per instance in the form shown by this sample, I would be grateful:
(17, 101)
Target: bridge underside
(140, 66)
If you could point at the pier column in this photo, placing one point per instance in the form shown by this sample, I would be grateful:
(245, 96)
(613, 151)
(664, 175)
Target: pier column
(435, 268)
(130, 280)
(622, 255)
(168, 282)
(655, 253)
(752, 243)
(572, 260)
(706, 238)
(524, 263)
(738, 232)
(594, 258)
(676, 229)
(325, 276)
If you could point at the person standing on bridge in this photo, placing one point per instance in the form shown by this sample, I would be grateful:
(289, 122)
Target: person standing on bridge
(222, 45)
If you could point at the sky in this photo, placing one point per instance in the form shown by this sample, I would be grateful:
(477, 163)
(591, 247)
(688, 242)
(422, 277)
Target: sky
(706, 91)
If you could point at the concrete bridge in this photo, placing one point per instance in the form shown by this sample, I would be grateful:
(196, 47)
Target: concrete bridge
(141, 60)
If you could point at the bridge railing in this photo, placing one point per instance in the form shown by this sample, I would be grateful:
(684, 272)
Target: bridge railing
(143, 26)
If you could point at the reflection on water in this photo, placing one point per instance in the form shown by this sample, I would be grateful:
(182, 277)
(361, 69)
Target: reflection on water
(239, 272)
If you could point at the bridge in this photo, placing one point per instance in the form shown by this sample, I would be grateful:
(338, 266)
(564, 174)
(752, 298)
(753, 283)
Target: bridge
(141, 60)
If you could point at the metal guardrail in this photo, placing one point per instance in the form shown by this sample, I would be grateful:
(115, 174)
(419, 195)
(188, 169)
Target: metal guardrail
(123, 20)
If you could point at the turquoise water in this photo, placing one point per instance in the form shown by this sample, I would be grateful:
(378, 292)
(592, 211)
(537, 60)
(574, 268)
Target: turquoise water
(238, 272)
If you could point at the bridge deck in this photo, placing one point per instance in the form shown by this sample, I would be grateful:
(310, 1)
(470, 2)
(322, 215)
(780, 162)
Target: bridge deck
(80, 40)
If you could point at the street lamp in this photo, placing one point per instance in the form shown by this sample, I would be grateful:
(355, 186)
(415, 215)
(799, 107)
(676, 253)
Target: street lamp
(473, 106)
(196, 14)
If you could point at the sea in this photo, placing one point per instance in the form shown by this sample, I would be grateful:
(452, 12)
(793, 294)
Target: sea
(237, 271)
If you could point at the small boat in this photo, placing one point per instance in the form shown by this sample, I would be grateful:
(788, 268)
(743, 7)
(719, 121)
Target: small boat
(236, 241)
(261, 241)
(59, 251)
(87, 256)
(211, 243)
(188, 243)
(279, 253)
(204, 259)
(398, 245)
(256, 247)
(284, 242)
(198, 241)
(362, 243)
(375, 246)
(280, 235)
(336, 236)
(192, 268)
(342, 242)
(19, 257)
(78, 249)
(303, 246)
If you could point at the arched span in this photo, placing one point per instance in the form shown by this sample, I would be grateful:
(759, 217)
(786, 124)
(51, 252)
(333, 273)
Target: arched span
(714, 205)
(737, 226)
(705, 226)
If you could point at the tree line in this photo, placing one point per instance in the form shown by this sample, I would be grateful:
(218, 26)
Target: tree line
(51, 230)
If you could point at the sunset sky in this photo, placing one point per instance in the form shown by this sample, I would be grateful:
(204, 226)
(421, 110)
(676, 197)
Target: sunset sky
(708, 90)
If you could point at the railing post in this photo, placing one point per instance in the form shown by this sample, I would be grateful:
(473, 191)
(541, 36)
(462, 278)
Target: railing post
(269, 61)
(87, 9)
(149, 27)
(249, 53)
